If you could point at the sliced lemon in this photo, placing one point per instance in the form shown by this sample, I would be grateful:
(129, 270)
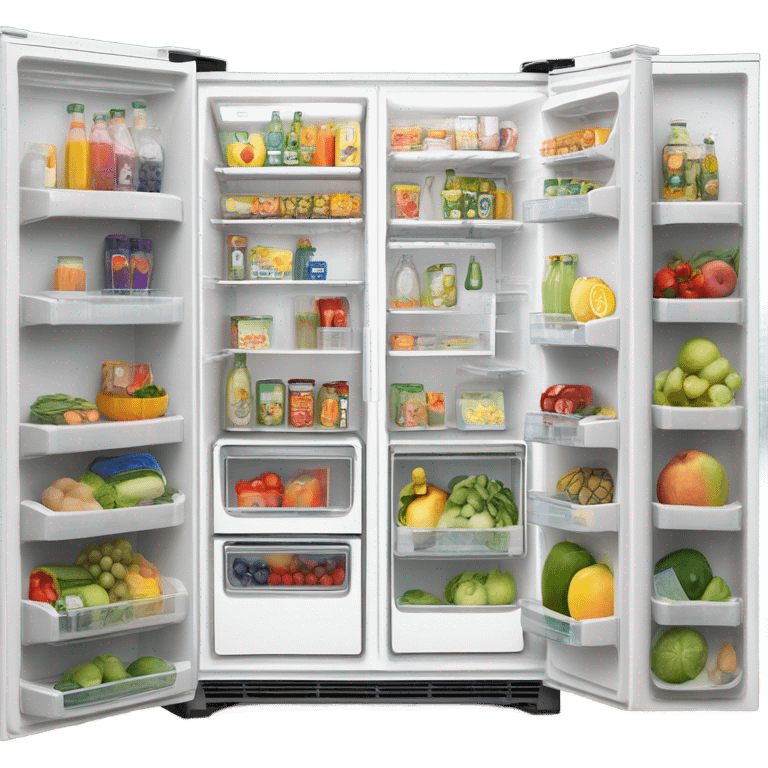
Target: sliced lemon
(602, 302)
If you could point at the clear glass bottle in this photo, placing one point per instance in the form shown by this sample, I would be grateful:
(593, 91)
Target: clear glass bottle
(710, 178)
(405, 291)
(150, 152)
(680, 163)
(291, 151)
(238, 401)
(275, 140)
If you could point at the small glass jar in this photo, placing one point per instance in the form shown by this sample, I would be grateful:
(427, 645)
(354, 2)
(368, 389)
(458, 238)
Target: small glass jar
(140, 264)
(69, 274)
(301, 403)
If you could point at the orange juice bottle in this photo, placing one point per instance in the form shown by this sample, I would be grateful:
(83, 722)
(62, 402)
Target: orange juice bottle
(76, 160)
(325, 148)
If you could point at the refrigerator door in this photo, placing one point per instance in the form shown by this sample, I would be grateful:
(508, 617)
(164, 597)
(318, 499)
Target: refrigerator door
(41, 75)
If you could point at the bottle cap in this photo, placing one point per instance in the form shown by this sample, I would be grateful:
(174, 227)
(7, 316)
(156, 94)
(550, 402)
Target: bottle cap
(138, 105)
(117, 113)
(139, 244)
(71, 108)
(100, 116)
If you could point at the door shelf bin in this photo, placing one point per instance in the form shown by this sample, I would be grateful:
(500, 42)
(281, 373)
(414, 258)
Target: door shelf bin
(38, 523)
(458, 542)
(340, 502)
(697, 612)
(304, 621)
(680, 417)
(701, 684)
(570, 430)
(690, 212)
(726, 310)
(682, 518)
(560, 513)
(40, 623)
(49, 439)
(555, 626)
(602, 202)
(41, 699)
(562, 330)
(248, 567)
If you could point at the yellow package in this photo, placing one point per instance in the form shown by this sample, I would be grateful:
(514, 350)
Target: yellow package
(269, 263)
(348, 143)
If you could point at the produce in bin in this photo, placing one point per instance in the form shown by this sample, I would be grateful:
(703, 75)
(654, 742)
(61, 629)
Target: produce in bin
(702, 378)
(686, 575)
(678, 655)
(67, 495)
(106, 668)
(288, 570)
(264, 491)
(693, 478)
(128, 392)
(587, 485)
(63, 409)
(469, 588)
(724, 669)
(131, 480)
(572, 399)
(710, 274)
(590, 596)
(308, 488)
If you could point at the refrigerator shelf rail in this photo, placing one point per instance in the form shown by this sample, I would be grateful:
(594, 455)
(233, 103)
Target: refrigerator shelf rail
(698, 612)
(41, 623)
(465, 228)
(725, 310)
(456, 543)
(287, 172)
(682, 518)
(301, 227)
(435, 160)
(563, 629)
(554, 512)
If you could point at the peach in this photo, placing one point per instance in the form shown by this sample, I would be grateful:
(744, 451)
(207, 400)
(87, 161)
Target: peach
(693, 478)
(720, 279)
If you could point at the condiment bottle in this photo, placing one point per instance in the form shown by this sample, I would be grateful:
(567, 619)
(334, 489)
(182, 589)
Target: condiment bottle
(301, 259)
(76, 164)
(474, 281)
(710, 179)
(141, 263)
(291, 151)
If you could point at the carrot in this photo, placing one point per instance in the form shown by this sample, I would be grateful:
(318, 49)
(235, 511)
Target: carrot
(92, 415)
(72, 417)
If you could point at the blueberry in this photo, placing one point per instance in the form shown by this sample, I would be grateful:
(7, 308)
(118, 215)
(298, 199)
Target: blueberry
(239, 566)
(260, 565)
(260, 577)
(245, 579)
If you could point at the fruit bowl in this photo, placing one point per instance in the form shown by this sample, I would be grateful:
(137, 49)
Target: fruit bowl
(131, 408)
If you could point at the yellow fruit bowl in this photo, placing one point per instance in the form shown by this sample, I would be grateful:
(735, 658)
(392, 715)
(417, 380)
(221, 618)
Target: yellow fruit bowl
(131, 408)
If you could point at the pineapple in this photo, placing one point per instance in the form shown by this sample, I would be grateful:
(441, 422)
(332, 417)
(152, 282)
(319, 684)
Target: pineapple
(586, 485)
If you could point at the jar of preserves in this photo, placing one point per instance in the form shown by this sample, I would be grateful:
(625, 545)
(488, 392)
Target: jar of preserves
(301, 403)
(333, 405)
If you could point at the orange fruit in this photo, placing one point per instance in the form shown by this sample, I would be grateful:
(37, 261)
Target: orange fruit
(590, 593)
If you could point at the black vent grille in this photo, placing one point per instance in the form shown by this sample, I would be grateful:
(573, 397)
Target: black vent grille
(523, 695)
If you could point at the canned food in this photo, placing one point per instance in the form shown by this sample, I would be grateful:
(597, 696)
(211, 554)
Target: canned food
(270, 402)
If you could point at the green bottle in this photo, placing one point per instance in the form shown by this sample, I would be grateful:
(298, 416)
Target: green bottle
(474, 281)
(275, 140)
(291, 152)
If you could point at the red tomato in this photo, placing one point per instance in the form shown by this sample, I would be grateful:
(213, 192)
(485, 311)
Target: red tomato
(287, 580)
(319, 571)
(272, 481)
(274, 579)
(310, 579)
(327, 580)
(298, 579)
(338, 576)
(279, 570)
(257, 485)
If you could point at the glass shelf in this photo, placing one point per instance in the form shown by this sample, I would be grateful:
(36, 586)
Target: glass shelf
(291, 226)
(571, 430)
(288, 172)
(97, 308)
(684, 518)
(558, 512)
(562, 330)
(463, 228)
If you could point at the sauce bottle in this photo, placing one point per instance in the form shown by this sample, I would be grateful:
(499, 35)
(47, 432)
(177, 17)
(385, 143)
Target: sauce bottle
(474, 281)
(291, 151)
(76, 164)
(405, 292)
(102, 154)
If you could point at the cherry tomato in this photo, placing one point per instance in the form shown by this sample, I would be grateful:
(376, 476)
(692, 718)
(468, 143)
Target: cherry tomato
(279, 570)
(319, 571)
(274, 579)
(327, 580)
(338, 576)
(271, 480)
(298, 579)
(287, 580)
(310, 579)
(257, 485)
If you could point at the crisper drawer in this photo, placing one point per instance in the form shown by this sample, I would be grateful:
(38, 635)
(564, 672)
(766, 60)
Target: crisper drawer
(320, 487)
(299, 597)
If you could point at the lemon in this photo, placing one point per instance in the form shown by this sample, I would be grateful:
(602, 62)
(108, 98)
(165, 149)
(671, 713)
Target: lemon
(590, 593)
(591, 298)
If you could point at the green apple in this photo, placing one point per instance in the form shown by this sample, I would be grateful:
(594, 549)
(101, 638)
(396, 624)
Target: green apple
(716, 371)
(696, 354)
(720, 395)
(694, 387)
(674, 382)
(660, 380)
(659, 398)
(733, 381)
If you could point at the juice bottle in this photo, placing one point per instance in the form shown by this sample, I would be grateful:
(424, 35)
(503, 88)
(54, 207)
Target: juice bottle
(325, 148)
(126, 171)
(679, 164)
(710, 179)
(558, 284)
(102, 154)
(405, 292)
(76, 165)
(307, 144)
(275, 140)
(238, 403)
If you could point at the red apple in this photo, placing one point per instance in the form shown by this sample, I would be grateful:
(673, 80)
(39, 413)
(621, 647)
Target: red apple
(693, 478)
(720, 279)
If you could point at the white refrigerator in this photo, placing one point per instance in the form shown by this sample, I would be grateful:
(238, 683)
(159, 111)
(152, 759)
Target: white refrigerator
(232, 641)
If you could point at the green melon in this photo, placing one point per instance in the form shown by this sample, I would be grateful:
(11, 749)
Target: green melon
(564, 560)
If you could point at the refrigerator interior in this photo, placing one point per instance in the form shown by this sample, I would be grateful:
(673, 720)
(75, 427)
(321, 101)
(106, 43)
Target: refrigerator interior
(64, 353)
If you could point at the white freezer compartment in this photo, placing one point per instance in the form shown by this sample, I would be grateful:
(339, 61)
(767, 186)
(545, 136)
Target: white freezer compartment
(340, 510)
(306, 620)
(427, 559)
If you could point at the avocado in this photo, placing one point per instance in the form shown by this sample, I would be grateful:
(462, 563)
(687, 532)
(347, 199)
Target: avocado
(149, 665)
(564, 560)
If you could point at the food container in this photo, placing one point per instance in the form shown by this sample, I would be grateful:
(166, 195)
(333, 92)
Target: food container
(321, 207)
(436, 409)
(301, 403)
(460, 341)
(452, 203)
(141, 264)
(307, 321)
(117, 270)
(251, 332)
(404, 139)
(401, 341)
(486, 199)
(122, 380)
(333, 405)
(508, 136)
(405, 201)
(439, 286)
(426, 341)
(131, 408)
(269, 206)
(334, 338)
(269, 263)
(408, 405)
(479, 409)
(345, 206)
(488, 133)
(270, 402)
(348, 144)
(69, 274)
(240, 207)
(466, 132)
(503, 209)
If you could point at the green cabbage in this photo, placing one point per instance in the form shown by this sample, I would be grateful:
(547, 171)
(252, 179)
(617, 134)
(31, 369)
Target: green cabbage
(103, 492)
(419, 597)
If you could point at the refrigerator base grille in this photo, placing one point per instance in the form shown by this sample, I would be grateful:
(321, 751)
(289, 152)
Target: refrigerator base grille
(527, 695)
